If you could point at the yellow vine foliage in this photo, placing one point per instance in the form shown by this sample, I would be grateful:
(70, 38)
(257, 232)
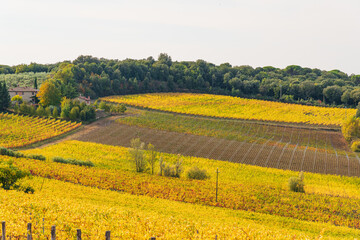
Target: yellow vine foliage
(234, 107)
(18, 131)
(94, 211)
(351, 129)
(243, 187)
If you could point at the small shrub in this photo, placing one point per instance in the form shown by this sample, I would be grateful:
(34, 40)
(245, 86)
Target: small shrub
(73, 162)
(355, 146)
(37, 157)
(9, 175)
(60, 160)
(24, 188)
(296, 184)
(169, 170)
(10, 153)
(197, 173)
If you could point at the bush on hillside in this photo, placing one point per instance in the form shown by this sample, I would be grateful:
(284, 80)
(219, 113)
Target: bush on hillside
(296, 184)
(355, 146)
(36, 156)
(10, 153)
(73, 162)
(197, 173)
(171, 170)
(351, 129)
(10, 175)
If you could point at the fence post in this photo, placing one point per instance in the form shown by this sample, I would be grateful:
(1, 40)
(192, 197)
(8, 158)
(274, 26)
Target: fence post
(53, 233)
(3, 231)
(78, 234)
(217, 184)
(29, 234)
(107, 235)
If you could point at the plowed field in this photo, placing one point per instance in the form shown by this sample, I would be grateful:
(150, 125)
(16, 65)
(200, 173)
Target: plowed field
(285, 153)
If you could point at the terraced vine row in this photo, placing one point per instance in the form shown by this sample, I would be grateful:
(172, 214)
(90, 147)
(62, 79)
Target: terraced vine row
(18, 131)
(289, 148)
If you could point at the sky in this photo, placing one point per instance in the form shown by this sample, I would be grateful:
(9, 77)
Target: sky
(322, 34)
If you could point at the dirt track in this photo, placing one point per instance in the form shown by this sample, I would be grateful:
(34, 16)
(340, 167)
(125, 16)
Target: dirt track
(284, 154)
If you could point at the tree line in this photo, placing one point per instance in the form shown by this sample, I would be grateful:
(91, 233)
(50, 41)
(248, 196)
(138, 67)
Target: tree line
(96, 77)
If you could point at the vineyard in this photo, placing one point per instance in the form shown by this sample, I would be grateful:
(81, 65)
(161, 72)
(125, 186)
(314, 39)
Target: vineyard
(280, 147)
(18, 131)
(253, 201)
(234, 129)
(70, 207)
(238, 108)
(243, 187)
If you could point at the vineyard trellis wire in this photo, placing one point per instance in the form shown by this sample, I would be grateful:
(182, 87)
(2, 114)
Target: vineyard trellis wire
(79, 234)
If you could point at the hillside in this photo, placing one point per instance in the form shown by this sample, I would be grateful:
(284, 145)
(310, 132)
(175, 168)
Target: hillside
(232, 107)
(89, 180)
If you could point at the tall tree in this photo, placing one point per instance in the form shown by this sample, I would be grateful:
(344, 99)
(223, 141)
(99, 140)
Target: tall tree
(49, 94)
(4, 97)
(36, 99)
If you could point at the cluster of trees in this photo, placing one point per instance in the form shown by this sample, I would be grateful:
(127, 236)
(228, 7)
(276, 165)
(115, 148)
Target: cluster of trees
(4, 97)
(108, 107)
(95, 77)
(25, 68)
(146, 157)
(25, 108)
(101, 77)
(69, 110)
(74, 110)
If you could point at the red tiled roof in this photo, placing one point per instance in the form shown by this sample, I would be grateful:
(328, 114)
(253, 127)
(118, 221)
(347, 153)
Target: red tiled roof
(85, 98)
(23, 89)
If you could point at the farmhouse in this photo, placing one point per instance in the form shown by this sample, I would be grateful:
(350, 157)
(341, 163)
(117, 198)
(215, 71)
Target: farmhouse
(84, 99)
(26, 93)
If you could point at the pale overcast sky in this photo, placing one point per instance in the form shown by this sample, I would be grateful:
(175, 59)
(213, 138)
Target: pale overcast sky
(321, 34)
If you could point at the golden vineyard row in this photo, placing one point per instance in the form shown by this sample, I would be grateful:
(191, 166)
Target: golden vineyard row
(234, 107)
(18, 131)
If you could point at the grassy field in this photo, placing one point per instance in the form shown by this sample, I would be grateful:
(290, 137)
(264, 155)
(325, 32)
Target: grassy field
(330, 199)
(18, 131)
(233, 107)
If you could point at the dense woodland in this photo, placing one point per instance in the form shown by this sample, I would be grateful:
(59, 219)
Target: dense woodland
(95, 77)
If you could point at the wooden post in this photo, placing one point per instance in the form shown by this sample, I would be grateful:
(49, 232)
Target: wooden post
(3, 231)
(29, 235)
(78, 234)
(53, 233)
(107, 235)
(217, 183)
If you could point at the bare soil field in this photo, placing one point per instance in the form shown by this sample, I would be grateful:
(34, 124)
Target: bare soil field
(286, 153)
